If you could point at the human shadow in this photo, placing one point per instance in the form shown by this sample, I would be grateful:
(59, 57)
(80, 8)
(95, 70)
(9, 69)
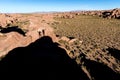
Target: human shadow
(41, 60)
(99, 71)
(114, 52)
(12, 29)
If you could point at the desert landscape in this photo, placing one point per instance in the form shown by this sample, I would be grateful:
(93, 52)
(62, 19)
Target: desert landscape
(75, 45)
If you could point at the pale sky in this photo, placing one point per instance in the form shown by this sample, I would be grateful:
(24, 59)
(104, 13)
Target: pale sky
(23, 6)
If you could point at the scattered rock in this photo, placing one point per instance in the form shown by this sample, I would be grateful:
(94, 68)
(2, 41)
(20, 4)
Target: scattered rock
(72, 40)
(64, 38)
(11, 40)
(6, 19)
(67, 16)
(115, 13)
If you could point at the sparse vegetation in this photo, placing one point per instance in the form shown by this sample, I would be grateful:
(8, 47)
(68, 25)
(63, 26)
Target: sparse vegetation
(97, 35)
(91, 29)
(90, 40)
(21, 24)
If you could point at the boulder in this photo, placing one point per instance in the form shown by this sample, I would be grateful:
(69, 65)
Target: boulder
(115, 13)
(64, 38)
(6, 19)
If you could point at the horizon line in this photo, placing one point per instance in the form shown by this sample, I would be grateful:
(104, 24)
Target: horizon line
(56, 11)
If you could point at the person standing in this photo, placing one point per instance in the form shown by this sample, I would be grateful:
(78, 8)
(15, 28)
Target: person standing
(39, 32)
(43, 32)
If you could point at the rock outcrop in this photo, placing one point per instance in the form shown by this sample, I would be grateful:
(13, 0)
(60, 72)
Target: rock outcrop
(15, 36)
(115, 13)
(38, 48)
(7, 19)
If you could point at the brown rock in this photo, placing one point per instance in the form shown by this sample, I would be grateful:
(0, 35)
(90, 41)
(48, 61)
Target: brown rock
(64, 38)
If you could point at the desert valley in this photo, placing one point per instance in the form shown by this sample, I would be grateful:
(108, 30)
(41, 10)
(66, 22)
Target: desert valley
(75, 45)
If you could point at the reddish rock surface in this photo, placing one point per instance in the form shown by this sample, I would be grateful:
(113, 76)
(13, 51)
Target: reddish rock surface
(12, 40)
(38, 26)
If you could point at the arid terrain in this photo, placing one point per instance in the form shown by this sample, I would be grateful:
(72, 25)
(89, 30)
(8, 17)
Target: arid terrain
(84, 44)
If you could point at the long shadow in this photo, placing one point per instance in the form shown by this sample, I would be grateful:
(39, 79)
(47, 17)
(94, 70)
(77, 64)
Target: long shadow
(99, 71)
(41, 60)
(12, 29)
(114, 52)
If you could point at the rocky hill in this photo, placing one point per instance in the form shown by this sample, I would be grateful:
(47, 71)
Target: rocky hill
(113, 13)
(25, 24)
(28, 45)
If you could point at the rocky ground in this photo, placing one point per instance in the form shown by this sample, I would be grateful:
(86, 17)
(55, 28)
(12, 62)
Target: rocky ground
(33, 25)
(110, 14)
(13, 39)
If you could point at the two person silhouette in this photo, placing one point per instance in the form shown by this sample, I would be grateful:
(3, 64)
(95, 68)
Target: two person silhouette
(41, 32)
